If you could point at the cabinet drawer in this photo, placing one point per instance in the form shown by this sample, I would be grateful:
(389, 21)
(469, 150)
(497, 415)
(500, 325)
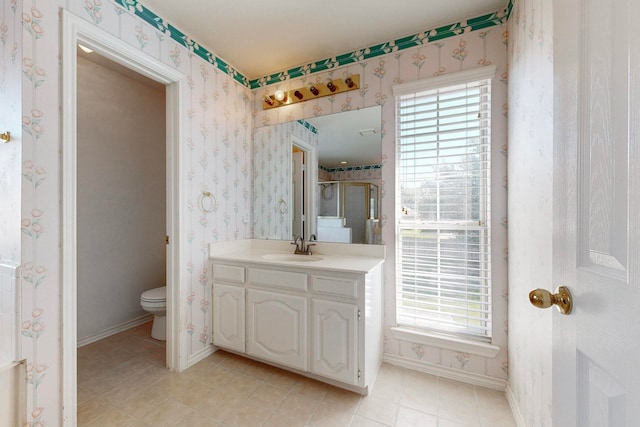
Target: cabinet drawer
(278, 279)
(229, 273)
(335, 285)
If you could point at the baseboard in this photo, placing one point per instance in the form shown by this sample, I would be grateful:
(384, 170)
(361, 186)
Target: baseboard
(445, 372)
(201, 355)
(515, 409)
(115, 330)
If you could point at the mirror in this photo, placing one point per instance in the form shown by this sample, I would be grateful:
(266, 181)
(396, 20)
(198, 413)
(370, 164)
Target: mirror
(284, 198)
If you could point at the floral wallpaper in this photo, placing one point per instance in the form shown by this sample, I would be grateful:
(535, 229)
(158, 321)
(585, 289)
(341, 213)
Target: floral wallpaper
(271, 180)
(466, 50)
(219, 155)
(220, 118)
(530, 204)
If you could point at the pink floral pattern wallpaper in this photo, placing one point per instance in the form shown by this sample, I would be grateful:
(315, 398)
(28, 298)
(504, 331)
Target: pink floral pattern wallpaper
(271, 183)
(219, 127)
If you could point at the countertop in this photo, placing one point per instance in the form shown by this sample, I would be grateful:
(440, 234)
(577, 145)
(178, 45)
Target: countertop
(349, 258)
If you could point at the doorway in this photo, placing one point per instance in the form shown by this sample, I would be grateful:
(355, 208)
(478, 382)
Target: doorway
(77, 31)
(303, 159)
(121, 195)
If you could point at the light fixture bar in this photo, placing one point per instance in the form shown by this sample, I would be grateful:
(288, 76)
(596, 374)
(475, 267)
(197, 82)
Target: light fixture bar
(313, 91)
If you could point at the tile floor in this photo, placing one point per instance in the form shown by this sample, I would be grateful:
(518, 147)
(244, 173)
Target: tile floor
(122, 382)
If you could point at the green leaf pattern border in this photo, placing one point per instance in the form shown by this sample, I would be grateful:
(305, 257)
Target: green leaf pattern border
(349, 168)
(484, 21)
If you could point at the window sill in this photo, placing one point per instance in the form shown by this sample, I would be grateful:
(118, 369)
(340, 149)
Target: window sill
(449, 342)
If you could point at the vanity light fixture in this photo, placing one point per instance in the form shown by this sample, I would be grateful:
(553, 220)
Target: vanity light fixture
(311, 91)
(349, 82)
(269, 101)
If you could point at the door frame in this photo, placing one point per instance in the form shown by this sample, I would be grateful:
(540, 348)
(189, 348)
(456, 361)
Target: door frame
(310, 184)
(76, 30)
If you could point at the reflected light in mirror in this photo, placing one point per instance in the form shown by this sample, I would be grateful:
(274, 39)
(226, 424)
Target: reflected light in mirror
(348, 151)
(341, 140)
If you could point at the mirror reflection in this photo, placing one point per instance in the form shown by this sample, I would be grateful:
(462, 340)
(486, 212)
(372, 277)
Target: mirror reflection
(319, 178)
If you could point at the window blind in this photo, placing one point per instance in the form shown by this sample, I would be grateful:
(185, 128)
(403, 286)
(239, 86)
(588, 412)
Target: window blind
(443, 269)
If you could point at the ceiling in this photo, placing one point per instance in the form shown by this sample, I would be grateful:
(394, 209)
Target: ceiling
(352, 136)
(259, 38)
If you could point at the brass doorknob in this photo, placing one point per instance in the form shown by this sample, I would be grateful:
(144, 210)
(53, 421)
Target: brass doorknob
(542, 298)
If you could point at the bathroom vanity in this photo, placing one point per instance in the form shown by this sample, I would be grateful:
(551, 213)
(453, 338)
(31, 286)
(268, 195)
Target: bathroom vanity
(319, 315)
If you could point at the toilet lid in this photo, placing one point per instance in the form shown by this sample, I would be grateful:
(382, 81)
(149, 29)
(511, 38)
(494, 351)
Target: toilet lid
(155, 294)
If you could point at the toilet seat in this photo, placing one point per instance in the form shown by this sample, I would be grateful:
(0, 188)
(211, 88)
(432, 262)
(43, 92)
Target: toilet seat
(155, 295)
(154, 298)
(154, 301)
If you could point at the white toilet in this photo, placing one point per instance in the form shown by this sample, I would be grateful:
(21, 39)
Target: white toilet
(154, 301)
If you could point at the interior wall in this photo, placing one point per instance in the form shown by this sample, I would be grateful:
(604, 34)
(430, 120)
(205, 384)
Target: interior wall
(272, 178)
(377, 77)
(217, 158)
(121, 195)
(352, 174)
(530, 206)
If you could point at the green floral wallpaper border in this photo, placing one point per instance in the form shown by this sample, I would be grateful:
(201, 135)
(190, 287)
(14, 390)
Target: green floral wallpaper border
(473, 24)
(135, 7)
(309, 126)
(478, 23)
(349, 168)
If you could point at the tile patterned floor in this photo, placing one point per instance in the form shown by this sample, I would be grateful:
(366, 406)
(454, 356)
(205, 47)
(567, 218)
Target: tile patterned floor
(122, 382)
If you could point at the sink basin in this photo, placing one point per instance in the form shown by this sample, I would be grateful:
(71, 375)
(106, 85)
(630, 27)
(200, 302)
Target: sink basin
(292, 257)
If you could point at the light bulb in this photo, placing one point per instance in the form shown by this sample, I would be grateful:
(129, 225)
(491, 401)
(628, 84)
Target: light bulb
(85, 49)
(279, 95)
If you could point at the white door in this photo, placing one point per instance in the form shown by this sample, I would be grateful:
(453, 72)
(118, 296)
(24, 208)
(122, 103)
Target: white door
(277, 328)
(596, 377)
(334, 335)
(228, 316)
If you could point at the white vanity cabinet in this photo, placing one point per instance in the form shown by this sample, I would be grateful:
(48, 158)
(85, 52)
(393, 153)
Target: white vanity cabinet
(322, 321)
(229, 307)
(277, 327)
(334, 348)
(336, 313)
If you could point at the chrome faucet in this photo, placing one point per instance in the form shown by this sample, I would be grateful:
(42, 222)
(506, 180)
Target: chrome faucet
(301, 248)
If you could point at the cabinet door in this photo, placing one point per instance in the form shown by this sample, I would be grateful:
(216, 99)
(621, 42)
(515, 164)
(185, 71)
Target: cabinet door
(228, 316)
(277, 327)
(334, 334)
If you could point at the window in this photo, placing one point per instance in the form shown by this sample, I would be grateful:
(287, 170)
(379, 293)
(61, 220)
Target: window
(443, 269)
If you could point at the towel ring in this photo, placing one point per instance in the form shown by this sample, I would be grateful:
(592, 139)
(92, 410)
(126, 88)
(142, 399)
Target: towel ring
(207, 202)
(282, 206)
